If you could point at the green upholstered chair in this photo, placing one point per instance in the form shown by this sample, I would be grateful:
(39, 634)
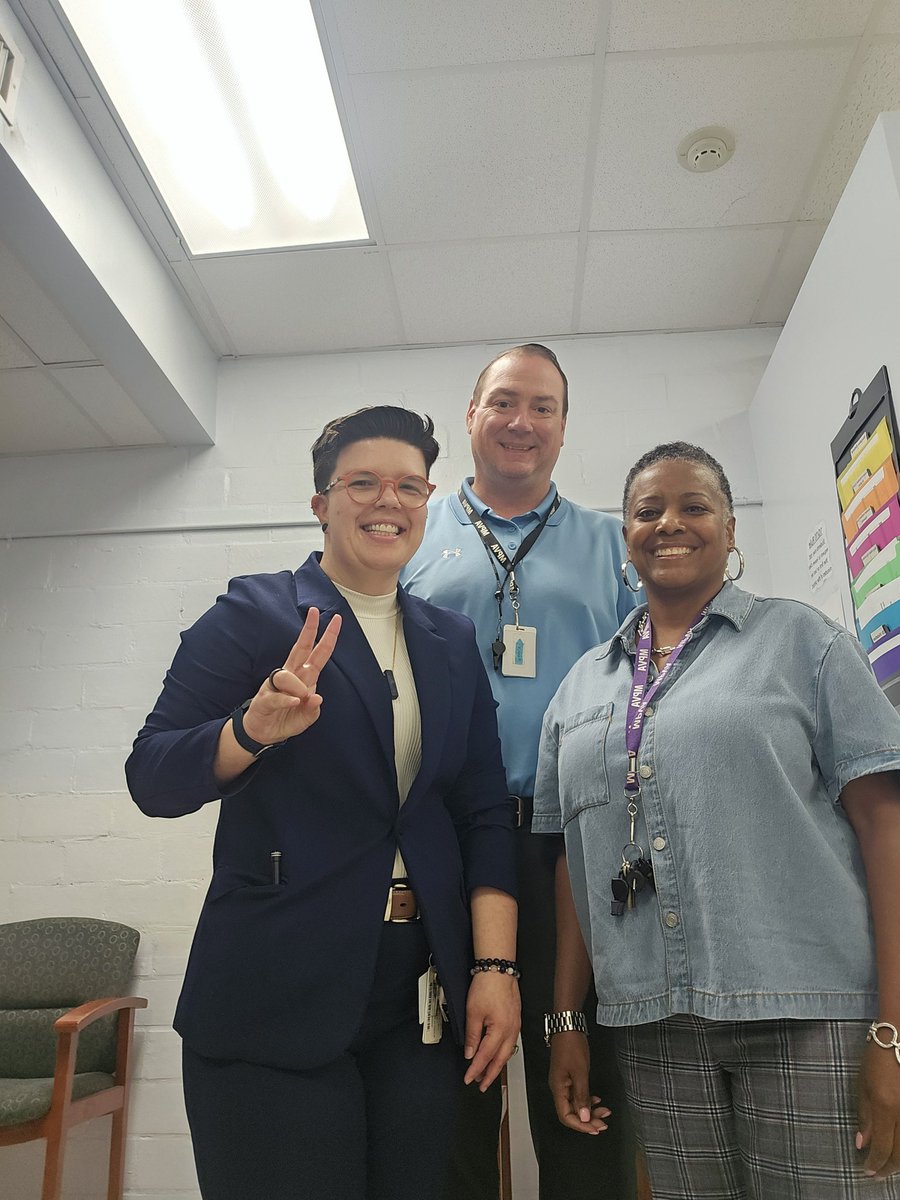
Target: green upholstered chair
(66, 1027)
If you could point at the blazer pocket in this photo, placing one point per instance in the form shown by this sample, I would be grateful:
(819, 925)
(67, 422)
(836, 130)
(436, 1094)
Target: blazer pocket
(583, 779)
(226, 880)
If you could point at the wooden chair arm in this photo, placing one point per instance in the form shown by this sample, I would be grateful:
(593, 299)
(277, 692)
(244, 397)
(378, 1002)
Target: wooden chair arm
(79, 1018)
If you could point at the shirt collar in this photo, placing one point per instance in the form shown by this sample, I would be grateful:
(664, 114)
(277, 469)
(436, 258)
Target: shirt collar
(486, 513)
(732, 604)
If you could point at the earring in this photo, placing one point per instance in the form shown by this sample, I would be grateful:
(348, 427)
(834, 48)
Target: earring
(324, 526)
(623, 570)
(741, 564)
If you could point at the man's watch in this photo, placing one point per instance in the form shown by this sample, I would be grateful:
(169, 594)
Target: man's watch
(243, 739)
(564, 1022)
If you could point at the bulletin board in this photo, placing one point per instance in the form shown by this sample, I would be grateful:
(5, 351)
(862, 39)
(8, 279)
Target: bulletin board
(868, 481)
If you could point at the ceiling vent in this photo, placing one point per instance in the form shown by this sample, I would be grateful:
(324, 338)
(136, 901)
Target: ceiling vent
(706, 149)
(10, 77)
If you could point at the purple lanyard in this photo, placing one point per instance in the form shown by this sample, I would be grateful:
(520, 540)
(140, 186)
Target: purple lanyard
(640, 695)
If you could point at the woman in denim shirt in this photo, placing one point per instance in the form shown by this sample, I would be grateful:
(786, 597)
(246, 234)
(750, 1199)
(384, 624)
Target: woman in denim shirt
(741, 899)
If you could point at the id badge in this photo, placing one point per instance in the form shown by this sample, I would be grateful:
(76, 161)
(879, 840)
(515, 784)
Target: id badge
(520, 655)
(430, 1016)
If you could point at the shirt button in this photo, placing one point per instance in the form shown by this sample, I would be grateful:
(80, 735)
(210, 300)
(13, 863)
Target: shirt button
(671, 919)
(646, 772)
(511, 545)
(659, 843)
(648, 711)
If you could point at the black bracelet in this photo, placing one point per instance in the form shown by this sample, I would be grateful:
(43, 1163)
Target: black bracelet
(505, 966)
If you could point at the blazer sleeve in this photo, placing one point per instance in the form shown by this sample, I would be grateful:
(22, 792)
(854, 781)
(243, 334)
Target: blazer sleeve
(479, 802)
(170, 768)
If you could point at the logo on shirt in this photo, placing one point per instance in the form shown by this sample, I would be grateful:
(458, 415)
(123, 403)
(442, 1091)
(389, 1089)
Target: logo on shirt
(455, 552)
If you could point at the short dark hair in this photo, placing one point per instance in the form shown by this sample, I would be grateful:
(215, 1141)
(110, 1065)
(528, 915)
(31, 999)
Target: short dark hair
(374, 421)
(685, 452)
(538, 351)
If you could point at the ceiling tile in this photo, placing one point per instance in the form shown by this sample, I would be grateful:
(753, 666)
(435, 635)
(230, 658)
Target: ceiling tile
(875, 90)
(37, 418)
(680, 279)
(301, 301)
(797, 253)
(12, 352)
(889, 20)
(477, 151)
(34, 316)
(660, 24)
(777, 103)
(486, 290)
(99, 396)
(394, 34)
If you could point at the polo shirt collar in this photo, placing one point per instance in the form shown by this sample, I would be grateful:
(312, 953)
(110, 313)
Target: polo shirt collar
(486, 513)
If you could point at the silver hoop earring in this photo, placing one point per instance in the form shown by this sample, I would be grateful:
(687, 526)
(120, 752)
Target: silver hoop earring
(623, 570)
(734, 578)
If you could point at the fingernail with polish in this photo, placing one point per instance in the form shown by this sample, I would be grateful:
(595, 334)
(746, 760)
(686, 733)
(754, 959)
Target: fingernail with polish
(859, 1141)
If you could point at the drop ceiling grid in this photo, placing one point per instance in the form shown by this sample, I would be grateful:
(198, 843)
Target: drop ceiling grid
(104, 402)
(875, 89)
(660, 24)
(36, 416)
(34, 317)
(650, 280)
(797, 252)
(302, 301)
(13, 351)
(477, 152)
(394, 34)
(777, 102)
(475, 291)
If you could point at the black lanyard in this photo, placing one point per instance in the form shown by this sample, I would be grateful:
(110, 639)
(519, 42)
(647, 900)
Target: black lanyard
(496, 554)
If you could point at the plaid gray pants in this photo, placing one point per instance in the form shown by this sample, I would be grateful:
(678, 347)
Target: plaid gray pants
(748, 1110)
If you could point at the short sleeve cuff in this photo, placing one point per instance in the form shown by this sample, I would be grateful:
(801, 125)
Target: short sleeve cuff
(865, 764)
(546, 823)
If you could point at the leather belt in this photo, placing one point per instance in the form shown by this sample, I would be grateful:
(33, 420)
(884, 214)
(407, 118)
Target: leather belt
(402, 905)
(524, 811)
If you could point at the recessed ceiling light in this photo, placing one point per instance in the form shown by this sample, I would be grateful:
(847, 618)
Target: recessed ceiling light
(706, 149)
(230, 106)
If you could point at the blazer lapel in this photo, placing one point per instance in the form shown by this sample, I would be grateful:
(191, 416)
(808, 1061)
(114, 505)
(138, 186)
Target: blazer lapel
(429, 659)
(352, 655)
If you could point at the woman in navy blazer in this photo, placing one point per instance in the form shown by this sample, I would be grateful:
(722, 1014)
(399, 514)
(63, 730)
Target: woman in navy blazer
(361, 786)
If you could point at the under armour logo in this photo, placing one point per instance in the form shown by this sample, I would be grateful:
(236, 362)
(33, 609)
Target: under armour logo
(456, 552)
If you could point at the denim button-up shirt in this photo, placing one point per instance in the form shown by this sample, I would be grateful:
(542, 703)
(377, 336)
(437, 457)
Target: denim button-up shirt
(760, 908)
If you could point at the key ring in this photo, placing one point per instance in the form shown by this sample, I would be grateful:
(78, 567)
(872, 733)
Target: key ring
(632, 846)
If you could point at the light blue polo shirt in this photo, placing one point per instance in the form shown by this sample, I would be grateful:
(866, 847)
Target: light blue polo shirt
(569, 589)
(760, 909)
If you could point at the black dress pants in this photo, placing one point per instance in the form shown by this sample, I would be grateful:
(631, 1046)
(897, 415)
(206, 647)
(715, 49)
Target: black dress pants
(572, 1166)
(375, 1124)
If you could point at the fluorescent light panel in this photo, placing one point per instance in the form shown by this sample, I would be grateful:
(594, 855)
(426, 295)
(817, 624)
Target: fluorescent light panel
(230, 106)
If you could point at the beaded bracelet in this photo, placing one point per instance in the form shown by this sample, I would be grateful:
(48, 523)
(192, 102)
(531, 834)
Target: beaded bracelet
(893, 1044)
(504, 965)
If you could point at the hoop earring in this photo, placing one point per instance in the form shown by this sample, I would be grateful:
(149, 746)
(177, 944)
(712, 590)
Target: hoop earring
(324, 526)
(623, 571)
(734, 578)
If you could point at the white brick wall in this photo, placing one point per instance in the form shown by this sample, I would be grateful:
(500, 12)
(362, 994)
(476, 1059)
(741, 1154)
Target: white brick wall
(88, 625)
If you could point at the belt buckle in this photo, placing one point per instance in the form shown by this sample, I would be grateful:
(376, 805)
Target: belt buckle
(401, 887)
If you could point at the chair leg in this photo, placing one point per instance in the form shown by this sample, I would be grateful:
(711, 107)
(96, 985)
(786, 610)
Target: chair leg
(117, 1154)
(54, 1164)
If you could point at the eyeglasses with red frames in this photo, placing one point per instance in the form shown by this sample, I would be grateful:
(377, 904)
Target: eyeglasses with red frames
(367, 487)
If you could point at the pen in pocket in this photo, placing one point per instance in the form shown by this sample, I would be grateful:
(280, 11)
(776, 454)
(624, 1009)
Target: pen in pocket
(276, 866)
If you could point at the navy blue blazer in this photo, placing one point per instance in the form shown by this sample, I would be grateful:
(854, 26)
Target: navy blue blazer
(281, 973)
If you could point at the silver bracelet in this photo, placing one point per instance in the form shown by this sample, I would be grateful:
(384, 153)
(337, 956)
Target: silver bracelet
(893, 1044)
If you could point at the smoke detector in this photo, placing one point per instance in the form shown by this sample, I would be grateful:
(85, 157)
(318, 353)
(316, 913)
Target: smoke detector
(706, 149)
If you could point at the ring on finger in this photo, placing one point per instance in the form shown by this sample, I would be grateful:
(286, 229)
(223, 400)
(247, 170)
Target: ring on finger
(271, 679)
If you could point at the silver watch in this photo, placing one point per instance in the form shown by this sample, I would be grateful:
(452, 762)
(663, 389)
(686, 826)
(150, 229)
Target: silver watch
(569, 1021)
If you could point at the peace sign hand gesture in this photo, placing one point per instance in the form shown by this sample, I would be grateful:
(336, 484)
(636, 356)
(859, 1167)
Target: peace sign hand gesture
(287, 702)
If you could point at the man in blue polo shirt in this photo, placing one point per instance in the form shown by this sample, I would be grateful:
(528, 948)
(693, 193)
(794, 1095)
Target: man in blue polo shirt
(539, 576)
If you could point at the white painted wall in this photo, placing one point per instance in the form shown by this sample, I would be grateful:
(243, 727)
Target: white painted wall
(90, 620)
(842, 329)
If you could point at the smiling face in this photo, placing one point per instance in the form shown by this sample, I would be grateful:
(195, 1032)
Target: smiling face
(679, 530)
(517, 425)
(367, 545)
